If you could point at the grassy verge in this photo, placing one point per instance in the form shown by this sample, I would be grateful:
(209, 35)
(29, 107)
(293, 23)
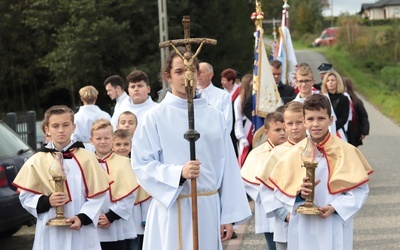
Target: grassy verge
(301, 45)
(368, 84)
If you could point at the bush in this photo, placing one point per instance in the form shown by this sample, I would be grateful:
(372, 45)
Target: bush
(390, 77)
(308, 38)
(373, 48)
(390, 42)
(367, 22)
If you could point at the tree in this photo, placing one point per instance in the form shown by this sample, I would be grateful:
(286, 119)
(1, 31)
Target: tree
(272, 9)
(99, 39)
(228, 23)
(19, 75)
(48, 45)
(306, 16)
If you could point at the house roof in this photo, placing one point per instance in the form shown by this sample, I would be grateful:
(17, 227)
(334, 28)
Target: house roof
(379, 4)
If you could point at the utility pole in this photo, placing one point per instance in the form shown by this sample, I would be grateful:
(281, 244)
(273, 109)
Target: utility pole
(163, 27)
(331, 13)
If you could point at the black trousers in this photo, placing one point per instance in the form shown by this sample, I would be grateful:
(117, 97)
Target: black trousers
(114, 245)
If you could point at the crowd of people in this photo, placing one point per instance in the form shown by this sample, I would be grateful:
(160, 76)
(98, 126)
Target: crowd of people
(128, 184)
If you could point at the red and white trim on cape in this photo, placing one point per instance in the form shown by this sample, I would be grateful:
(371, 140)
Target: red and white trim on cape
(244, 151)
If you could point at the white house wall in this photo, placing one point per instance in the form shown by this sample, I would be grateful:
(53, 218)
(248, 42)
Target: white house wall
(377, 14)
(392, 12)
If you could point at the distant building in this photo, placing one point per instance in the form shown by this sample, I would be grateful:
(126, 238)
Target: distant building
(382, 9)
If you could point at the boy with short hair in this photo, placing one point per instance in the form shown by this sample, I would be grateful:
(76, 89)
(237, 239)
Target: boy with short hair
(304, 83)
(85, 187)
(122, 143)
(139, 90)
(116, 223)
(276, 134)
(294, 126)
(128, 121)
(342, 174)
(87, 114)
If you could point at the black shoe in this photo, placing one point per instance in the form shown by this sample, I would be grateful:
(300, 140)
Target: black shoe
(234, 235)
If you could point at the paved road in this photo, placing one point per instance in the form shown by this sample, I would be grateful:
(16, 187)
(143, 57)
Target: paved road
(22, 240)
(377, 225)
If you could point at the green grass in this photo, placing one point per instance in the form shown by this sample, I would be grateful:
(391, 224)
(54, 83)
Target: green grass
(300, 45)
(366, 83)
(369, 84)
(379, 28)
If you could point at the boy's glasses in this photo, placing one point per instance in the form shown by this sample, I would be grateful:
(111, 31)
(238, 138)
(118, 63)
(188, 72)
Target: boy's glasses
(301, 82)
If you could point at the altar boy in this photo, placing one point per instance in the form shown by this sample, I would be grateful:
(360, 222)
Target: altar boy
(116, 224)
(163, 166)
(294, 126)
(122, 145)
(341, 184)
(84, 189)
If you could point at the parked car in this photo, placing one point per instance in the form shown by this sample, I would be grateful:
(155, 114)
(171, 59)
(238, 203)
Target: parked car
(39, 135)
(327, 37)
(13, 153)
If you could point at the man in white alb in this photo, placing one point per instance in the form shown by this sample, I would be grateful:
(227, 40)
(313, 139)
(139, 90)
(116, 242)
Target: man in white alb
(115, 90)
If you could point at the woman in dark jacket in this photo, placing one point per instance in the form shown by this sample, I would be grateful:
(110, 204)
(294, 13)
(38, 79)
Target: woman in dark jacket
(333, 88)
(359, 126)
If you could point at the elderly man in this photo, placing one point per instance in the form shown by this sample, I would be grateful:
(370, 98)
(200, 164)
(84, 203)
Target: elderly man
(216, 97)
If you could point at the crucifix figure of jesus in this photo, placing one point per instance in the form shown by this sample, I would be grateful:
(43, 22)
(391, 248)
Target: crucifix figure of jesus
(188, 57)
(191, 135)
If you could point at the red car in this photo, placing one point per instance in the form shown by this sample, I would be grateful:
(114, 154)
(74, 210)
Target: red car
(327, 37)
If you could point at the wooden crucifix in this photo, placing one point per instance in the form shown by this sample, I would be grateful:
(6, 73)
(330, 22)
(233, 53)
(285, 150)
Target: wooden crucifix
(191, 135)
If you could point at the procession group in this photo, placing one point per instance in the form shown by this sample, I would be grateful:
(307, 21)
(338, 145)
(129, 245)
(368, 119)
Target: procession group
(128, 180)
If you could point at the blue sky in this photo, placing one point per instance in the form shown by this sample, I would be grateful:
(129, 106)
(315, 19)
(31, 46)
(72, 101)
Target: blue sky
(342, 6)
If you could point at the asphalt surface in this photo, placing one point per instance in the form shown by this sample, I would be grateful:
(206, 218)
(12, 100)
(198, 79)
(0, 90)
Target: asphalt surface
(377, 225)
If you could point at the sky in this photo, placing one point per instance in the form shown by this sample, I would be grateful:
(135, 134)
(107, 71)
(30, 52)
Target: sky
(342, 6)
